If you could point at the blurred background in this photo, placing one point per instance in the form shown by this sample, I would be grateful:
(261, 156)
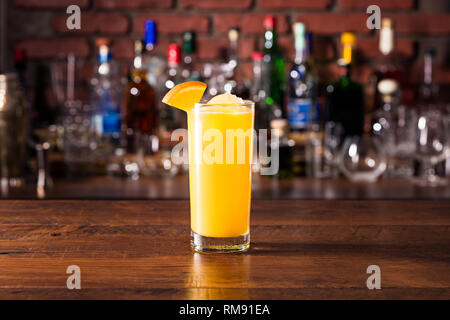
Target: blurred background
(359, 113)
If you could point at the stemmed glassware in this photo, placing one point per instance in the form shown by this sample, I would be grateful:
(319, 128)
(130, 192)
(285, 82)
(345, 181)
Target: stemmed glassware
(432, 145)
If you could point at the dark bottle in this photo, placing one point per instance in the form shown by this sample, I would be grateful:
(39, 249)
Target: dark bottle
(273, 69)
(345, 97)
(20, 65)
(189, 71)
(141, 113)
(285, 147)
(302, 85)
(389, 66)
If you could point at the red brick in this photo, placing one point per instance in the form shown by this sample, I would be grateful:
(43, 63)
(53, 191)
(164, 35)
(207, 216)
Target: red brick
(250, 23)
(383, 4)
(133, 4)
(173, 23)
(417, 23)
(122, 48)
(47, 48)
(334, 23)
(246, 47)
(215, 4)
(50, 3)
(108, 23)
(286, 43)
(211, 48)
(369, 48)
(294, 4)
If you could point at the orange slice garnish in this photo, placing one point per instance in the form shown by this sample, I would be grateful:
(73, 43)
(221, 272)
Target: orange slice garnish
(185, 95)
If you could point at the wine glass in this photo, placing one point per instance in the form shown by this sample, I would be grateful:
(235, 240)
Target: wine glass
(431, 146)
(362, 159)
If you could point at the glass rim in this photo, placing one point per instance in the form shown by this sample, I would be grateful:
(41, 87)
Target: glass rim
(204, 103)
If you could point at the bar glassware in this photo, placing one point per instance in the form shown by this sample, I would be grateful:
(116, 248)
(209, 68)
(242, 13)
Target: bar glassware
(220, 175)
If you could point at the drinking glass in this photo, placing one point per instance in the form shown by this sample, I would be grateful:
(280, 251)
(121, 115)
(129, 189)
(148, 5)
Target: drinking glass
(431, 146)
(362, 159)
(220, 141)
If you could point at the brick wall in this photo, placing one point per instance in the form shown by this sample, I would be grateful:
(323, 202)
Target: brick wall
(39, 27)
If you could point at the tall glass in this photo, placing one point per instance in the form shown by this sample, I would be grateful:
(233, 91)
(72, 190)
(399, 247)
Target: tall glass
(220, 176)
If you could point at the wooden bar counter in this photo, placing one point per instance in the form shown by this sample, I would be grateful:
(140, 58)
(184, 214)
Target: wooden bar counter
(301, 249)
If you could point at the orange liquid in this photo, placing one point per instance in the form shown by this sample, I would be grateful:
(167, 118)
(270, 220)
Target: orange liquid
(219, 190)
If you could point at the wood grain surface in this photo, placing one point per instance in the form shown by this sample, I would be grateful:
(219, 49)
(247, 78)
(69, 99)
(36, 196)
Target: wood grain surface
(103, 187)
(300, 250)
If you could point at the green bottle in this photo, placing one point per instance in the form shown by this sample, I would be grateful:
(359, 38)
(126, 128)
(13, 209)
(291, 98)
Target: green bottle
(345, 97)
(273, 70)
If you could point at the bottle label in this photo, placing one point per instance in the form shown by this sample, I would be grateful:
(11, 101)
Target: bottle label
(299, 112)
(106, 123)
(111, 123)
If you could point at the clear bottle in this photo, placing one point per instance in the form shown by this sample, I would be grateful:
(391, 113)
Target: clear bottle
(302, 85)
(258, 95)
(236, 82)
(389, 67)
(106, 102)
(152, 62)
(172, 118)
(428, 91)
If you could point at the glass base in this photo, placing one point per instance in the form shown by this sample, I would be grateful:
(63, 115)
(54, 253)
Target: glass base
(219, 245)
(431, 181)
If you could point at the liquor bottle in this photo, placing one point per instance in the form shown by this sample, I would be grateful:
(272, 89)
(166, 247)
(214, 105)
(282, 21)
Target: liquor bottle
(280, 129)
(345, 97)
(189, 70)
(141, 112)
(20, 65)
(236, 82)
(389, 67)
(428, 90)
(172, 118)
(273, 69)
(106, 99)
(302, 85)
(258, 95)
(152, 62)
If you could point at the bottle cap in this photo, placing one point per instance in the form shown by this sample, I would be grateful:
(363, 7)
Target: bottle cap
(269, 22)
(387, 23)
(173, 54)
(189, 45)
(19, 55)
(348, 38)
(233, 34)
(299, 28)
(138, 46)
(256, 56)
(299, 34)
(150, 33)
(104, 54)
